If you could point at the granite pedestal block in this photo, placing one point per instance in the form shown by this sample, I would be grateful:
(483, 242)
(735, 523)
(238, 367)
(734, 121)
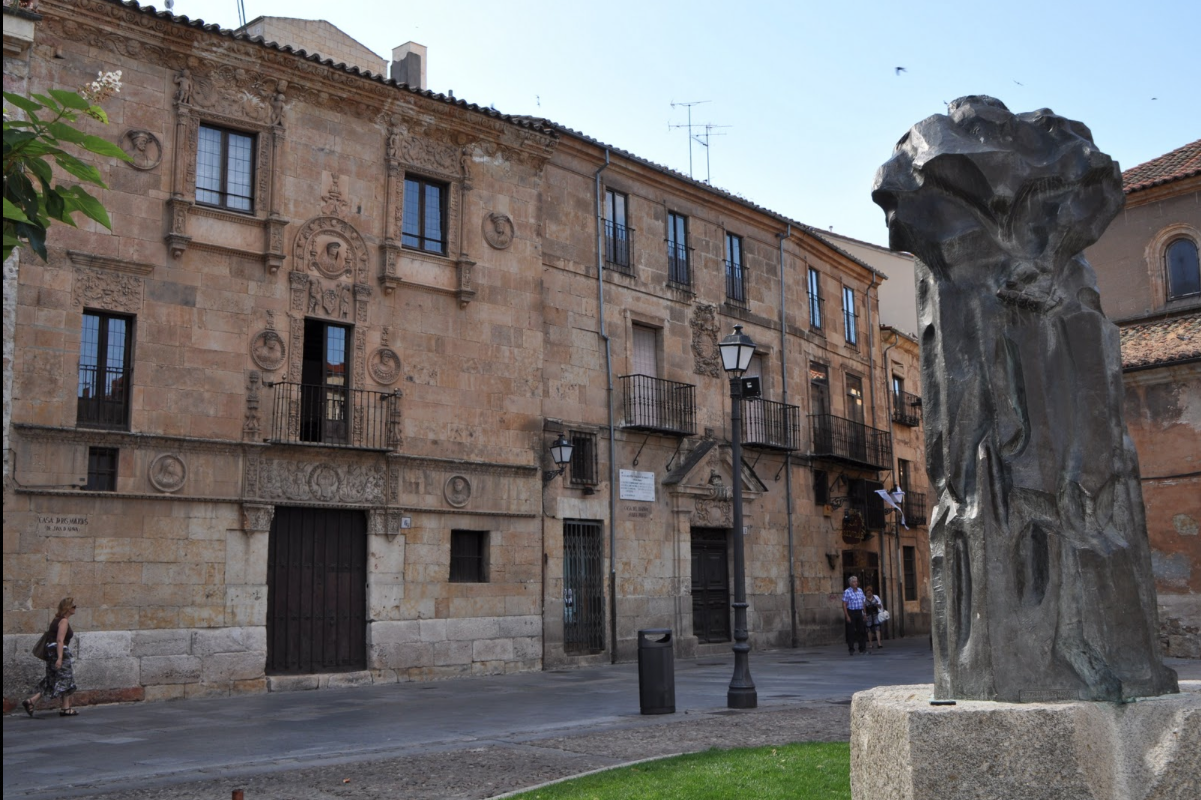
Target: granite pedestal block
(903, 748)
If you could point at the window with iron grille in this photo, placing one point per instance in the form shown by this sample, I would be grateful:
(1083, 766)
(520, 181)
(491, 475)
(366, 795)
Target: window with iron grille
(677, 250)
(735, 271)
(821, 487)
(815, 299)
(102, 395)
(850, 319)
(102, 469)
(424, 218)
(617, 232)
(909, 556)
(583, 458)
(225, 169)
(469, 556)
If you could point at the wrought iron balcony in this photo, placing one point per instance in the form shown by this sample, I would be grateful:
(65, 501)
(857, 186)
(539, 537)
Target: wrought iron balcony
(735, 283)
(678, 272)
(906, 409)
(334, 415)
(914, 506)
(653, 404)
(103, 397)
(770, 425)
(617, 247)
(839, 439)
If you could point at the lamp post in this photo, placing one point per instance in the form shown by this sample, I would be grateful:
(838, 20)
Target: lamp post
(898, 497)
(736, 351)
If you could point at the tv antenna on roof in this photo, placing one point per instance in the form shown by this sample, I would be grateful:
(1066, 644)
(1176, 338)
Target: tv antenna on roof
(708, 126)
(241, 13)
(689, 126)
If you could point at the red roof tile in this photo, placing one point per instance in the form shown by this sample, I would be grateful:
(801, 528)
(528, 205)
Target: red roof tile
(1165, 341)
(1181, 163)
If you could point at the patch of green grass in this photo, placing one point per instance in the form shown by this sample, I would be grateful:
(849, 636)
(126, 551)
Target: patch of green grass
(805, 771)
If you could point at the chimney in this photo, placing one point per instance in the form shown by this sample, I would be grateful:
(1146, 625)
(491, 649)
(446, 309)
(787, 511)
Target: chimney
(408, 64)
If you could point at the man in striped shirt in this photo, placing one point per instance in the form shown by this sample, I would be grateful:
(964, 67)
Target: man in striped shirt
(853, 601)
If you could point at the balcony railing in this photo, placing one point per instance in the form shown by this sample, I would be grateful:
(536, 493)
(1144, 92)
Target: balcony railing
(677, 264)
(770, 425)
(653, 404)
(617, 248)
(906, 409)
(735, 284)
(103, 397)
(334, 415)
(816, 318)
(838, 439)
(914, 506)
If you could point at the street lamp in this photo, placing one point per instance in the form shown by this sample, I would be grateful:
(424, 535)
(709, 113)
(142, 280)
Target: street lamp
(736, 351)
(560, 453)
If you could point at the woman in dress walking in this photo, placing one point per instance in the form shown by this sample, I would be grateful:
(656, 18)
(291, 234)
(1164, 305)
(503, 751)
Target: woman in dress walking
(872, 608)
(59, 680)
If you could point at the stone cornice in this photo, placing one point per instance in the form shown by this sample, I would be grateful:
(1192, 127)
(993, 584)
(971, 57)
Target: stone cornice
(99, 436)
(82, 259)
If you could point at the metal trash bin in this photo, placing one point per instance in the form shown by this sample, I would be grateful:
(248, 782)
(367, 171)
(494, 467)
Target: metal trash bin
(656, 671)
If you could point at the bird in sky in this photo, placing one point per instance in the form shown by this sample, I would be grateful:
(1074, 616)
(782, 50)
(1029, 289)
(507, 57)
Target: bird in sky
(900, 70)
(1019, 83)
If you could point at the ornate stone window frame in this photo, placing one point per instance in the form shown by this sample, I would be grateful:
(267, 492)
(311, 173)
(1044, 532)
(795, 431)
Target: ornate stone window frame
(1156, 256)
(268, 145)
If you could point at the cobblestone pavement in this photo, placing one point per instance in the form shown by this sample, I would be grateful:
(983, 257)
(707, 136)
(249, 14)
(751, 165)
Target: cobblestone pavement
(462, 738)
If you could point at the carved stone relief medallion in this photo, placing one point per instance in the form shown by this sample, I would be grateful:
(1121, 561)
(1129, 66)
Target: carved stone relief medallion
(457, 490)
(498, 230)
(167, 473)
(268, 350)
(384, 366)
(143, 147)
(324, 483)
(331, 247)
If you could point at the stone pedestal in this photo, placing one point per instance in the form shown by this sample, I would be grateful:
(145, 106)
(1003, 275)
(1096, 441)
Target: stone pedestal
(903, 748)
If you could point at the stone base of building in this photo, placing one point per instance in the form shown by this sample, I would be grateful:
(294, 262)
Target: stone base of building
(903, 748)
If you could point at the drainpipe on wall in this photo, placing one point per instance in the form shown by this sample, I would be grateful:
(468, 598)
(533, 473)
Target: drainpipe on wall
(604, 335)
(871, 354)
(783, 237)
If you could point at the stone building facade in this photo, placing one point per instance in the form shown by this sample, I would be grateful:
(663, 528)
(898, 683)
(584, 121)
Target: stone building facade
(1150, 281)
(288, 424)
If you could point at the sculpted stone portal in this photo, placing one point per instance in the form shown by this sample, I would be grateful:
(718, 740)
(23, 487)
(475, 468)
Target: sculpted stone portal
(1041, 569)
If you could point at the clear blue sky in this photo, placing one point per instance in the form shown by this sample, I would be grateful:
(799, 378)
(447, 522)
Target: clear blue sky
(809, 88)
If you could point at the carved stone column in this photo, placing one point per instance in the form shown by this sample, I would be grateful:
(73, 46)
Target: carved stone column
(276, 221)
(393, 204)
(177, 237)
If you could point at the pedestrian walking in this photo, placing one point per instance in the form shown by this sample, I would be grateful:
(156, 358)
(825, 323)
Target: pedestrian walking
(59, 680)
(871, 611)
(853, 601)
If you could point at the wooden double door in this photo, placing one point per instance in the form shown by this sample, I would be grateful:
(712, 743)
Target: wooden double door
(710, 585)
(316, 591)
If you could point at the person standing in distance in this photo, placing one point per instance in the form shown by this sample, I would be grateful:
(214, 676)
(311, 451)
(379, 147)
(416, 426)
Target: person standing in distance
(853, 601)
(59, 680)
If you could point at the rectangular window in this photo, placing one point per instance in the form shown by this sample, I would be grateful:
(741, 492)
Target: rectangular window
(735, 271)
(325, 382)
(909, 556)
(225, 169)
(903, 471)
(646, 351)
(102, 399)
(424, 220)
(850, 320)
(102, 469)
(819, 389)
(677, 250)
(469, 556)
(815, 300)
(617, 232)
(583, 458)
(855, 398)
(821, 487)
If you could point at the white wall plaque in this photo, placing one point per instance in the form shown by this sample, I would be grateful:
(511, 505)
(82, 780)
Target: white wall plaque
(637, 485)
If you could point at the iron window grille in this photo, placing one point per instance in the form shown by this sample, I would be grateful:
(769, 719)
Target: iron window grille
(468, 556)
(815, 300)
(225, 169)
(914, 508)
(735, 272)
(909, 557)
(583, 458)
(103, 391)
(102, 469)
(424, 219)
(583, 587)
(850, 320)
(678, 272)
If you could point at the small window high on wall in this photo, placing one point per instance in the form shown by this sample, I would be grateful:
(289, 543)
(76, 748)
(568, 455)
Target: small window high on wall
(1184, 275)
